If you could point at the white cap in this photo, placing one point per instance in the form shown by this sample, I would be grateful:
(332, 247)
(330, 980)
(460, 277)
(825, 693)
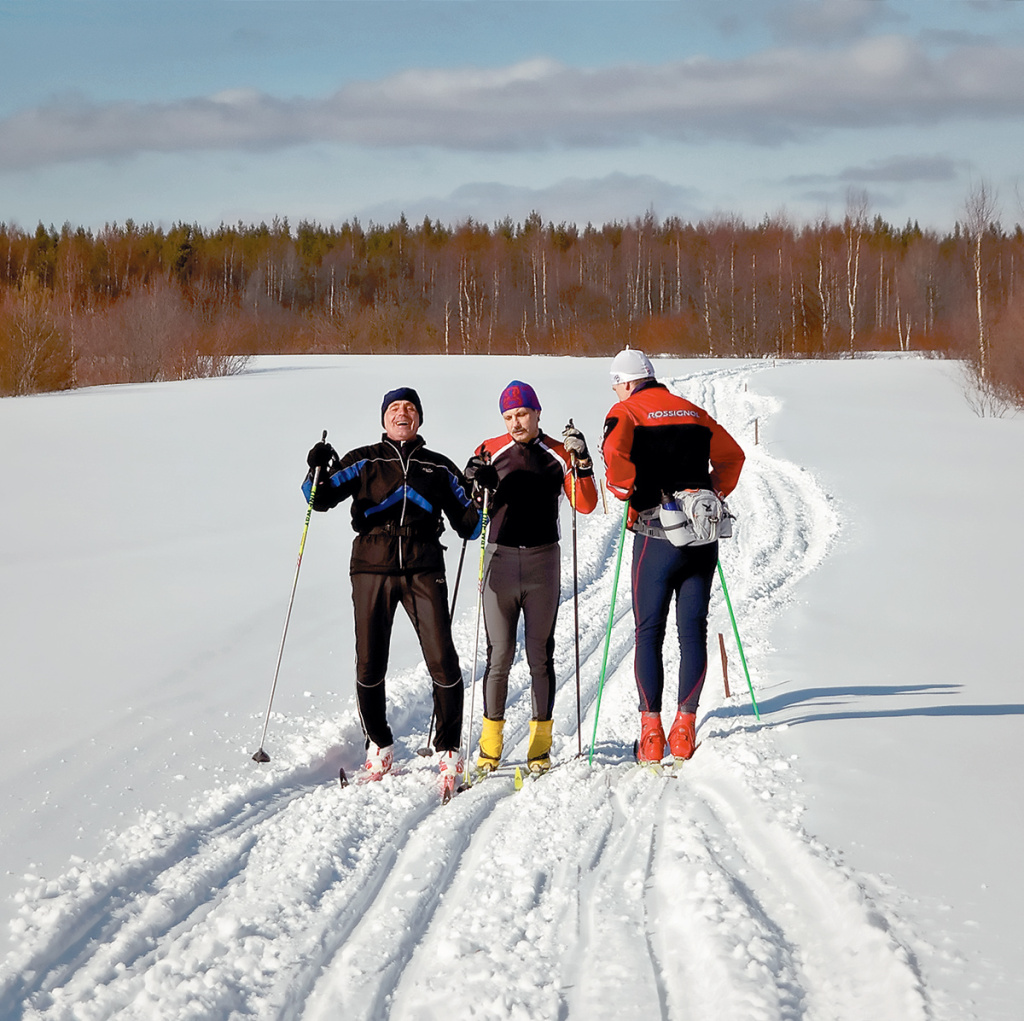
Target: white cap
(628, 365)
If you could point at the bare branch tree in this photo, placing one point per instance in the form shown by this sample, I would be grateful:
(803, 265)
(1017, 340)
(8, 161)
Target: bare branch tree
(980, 211)
(853, 227)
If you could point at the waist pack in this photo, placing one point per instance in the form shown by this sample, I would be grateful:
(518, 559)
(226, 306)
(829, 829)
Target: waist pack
(694, 517)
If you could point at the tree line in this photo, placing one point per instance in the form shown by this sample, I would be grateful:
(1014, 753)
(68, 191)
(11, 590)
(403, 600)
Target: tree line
(136, 303)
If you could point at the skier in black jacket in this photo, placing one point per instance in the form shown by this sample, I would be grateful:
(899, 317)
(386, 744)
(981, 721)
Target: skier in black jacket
(527, 473)
(399, 490)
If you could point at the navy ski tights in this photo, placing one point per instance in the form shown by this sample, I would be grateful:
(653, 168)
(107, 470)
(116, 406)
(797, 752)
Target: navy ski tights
(661, 570)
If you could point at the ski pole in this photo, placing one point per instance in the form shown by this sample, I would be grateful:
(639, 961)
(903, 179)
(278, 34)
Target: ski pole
(608, 633)
(458, 576)
(261, 755)
(576, 615)
(426, 749)
(476, 649)
(739, 644)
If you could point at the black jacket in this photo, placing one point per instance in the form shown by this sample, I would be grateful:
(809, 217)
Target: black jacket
(399, 492)
(532, 477)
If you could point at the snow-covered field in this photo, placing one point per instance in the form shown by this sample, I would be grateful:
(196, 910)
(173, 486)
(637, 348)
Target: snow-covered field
(852, 856)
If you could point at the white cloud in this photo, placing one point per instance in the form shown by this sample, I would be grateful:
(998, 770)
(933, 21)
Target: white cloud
(766, 98)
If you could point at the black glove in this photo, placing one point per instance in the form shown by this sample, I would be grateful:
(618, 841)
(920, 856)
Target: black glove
(482, 473)
(483, 476)
(573, 441)
(321, 455)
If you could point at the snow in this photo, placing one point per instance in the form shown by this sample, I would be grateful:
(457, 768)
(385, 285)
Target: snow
(852, 855)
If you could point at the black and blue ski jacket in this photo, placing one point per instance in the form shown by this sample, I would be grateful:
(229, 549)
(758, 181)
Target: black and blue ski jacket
(399, 491)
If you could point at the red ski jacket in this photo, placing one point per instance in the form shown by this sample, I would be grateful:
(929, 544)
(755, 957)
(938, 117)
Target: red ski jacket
(656, 442)
(531, 480)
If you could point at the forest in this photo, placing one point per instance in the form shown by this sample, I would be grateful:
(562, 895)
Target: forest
(133, 303)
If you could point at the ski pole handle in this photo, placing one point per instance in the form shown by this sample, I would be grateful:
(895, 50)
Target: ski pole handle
(305, 528)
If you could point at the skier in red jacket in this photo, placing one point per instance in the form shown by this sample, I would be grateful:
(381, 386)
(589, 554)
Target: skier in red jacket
(656, 444)
(526, 473)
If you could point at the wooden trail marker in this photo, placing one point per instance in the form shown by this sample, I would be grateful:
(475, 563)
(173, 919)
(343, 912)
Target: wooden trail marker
(725, 665)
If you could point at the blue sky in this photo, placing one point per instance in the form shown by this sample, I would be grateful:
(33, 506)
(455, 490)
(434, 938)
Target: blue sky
(227, 110)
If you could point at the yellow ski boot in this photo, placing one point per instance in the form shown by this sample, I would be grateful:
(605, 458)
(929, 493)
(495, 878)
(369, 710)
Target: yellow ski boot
(538, 758)
(491, 742)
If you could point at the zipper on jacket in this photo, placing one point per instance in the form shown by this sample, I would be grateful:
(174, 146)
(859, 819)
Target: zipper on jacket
(405, 497)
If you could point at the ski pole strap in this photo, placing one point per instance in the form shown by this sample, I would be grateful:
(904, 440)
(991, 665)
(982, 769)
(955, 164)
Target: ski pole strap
(608, 631)
(739, 644)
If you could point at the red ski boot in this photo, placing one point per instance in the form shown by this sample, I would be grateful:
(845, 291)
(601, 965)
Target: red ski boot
(682, 738)
(652, 738)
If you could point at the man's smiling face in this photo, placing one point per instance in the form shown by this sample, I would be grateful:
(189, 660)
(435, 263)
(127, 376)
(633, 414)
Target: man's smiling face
(401, 421)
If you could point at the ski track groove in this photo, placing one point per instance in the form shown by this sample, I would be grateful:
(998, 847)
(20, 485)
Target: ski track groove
(800, 893)
(616, 930)
(165, 919)
(711, 923)
(292, 900)
(380, 945)
(81, 927)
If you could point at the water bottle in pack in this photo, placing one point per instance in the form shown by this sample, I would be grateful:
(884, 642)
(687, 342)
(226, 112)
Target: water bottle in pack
(694, 517)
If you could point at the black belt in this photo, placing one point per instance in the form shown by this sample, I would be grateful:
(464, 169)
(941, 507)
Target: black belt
(404, 531)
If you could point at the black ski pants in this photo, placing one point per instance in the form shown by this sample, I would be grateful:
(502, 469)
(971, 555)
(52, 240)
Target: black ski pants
(521, 581)
(424, 596)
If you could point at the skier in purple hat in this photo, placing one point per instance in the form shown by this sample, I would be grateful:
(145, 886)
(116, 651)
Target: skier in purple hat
(526, 473)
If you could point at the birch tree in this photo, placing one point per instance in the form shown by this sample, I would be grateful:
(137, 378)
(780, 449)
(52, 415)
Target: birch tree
(979, 213)
(853, 228)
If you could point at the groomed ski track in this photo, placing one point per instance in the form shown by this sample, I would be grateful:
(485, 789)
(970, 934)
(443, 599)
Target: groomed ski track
(599, 891)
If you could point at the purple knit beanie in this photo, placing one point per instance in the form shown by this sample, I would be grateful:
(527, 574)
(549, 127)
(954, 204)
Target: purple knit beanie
(518, 395)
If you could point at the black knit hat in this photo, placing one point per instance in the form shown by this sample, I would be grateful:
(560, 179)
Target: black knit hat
(403, 393)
